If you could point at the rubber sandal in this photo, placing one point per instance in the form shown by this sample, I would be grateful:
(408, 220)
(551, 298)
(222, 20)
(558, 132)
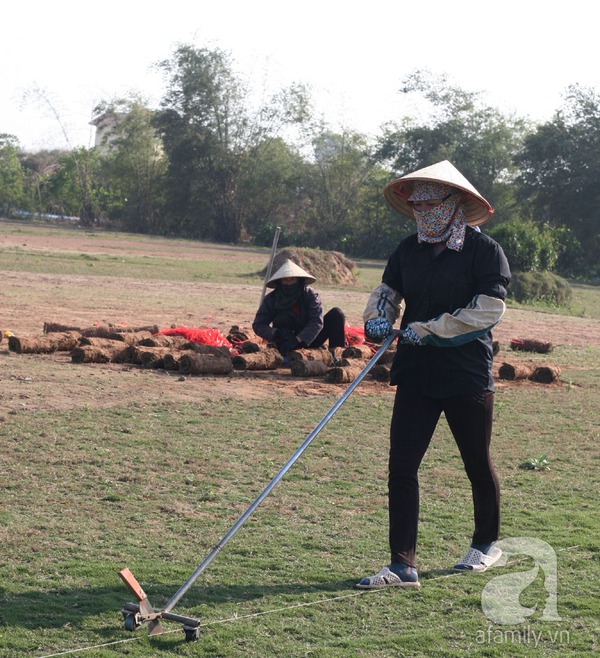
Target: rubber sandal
(385, 578)
(477, 561)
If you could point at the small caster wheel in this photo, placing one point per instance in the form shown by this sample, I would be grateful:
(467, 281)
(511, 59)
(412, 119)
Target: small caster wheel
(131, 622)
(192, 633)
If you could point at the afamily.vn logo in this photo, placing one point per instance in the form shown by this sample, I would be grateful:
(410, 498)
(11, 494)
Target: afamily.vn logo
(500, 598)
(525, 636)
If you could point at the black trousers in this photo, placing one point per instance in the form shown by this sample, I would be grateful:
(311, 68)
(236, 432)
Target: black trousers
(334, 324)
(414, 419)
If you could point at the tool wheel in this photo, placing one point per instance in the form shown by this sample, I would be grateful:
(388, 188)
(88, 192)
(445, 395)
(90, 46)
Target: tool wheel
(131, 622)
(192, 633)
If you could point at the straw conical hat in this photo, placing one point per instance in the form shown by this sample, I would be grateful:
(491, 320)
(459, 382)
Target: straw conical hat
(477, 209)
(287, 270)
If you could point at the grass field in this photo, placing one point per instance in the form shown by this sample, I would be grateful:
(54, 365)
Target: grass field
(106, 467)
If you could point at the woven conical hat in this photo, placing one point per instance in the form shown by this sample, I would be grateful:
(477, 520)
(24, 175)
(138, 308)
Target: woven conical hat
(289, 269)
(477, 209)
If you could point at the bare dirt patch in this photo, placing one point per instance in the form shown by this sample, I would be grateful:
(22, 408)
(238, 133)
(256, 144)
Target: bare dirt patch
(91, 242)
(53, 382)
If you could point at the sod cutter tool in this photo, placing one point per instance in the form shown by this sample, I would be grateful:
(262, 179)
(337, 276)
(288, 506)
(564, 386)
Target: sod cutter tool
(142, 612)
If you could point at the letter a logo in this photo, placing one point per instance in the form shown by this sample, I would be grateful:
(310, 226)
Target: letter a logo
(500, 597)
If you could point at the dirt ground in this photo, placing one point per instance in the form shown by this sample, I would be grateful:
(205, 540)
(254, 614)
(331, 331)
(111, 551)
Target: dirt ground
(45, 382)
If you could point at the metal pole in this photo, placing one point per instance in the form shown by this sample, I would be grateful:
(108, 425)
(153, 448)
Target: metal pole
(238, 524)
(270, 265)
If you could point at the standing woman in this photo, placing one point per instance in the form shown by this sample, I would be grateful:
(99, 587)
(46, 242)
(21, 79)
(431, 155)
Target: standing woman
(451, 280)
(291, 316)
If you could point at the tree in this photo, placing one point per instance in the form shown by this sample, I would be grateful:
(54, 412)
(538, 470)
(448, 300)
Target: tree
(11, 175)
(478, 139)
(37, 168)
(73, 189)
(377, 227)
(274, 193)
(341, 169)
(560, 170)
(529, 247)
(213, 141)
(134, 166)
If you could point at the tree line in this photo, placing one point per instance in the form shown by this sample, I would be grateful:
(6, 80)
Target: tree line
(211, 164)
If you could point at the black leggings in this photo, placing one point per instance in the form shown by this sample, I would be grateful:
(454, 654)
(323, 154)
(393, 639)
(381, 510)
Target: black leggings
(334, 324)
(414, 420)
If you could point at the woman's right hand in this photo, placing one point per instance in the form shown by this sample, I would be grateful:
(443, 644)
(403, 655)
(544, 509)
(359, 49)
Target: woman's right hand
(377, 329)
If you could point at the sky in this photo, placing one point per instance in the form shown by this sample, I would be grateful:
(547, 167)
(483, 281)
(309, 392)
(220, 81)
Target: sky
(59, 59)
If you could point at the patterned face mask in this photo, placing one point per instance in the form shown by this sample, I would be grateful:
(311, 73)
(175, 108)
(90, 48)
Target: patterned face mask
(443, 223)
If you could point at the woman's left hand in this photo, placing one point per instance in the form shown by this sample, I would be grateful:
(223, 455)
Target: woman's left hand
(288, 345)
(408, 337)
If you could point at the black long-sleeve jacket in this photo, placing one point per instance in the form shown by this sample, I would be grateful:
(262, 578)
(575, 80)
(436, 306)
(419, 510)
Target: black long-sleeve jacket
(452, 301)
(308, 322)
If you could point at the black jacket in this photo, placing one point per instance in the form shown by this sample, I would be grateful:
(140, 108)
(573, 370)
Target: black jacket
(306, 323)
(432, 285)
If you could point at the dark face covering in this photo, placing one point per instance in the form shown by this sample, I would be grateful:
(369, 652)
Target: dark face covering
(290, 312)
(287, 295)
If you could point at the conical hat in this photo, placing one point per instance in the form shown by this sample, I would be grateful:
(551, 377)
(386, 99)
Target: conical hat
(477, 209)
(287, 270)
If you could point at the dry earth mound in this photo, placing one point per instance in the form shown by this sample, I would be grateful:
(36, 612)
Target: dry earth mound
(328, 267)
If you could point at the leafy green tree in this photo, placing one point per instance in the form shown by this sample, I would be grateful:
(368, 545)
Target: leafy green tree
(274, 193)
(560, 170)
(339, 178)
(213, 141)
(38, 167)
(134, 166)
(342, 163)
(11, 175)
(478, 139)
(73, 189)
(377, 227)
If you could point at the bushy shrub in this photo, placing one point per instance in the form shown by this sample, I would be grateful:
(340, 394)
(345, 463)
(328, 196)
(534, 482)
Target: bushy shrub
(528, 246)
(527, 287)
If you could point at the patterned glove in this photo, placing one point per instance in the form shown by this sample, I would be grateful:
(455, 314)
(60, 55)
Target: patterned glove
(408, 337)
(377, 329)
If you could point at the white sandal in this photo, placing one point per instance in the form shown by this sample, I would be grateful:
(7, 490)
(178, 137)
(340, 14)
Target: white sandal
(476, 561)
(387, 578)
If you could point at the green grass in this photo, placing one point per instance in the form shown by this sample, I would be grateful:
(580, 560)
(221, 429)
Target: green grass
(153, 487)
(144, 257)
(128, 472)
(201, 262)
(586, 301)
(146, 268)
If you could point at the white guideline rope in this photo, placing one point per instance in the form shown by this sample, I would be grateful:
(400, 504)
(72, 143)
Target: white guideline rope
(211, 623)
(260, 614)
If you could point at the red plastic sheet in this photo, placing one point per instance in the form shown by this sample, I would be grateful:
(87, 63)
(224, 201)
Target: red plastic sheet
(354, 335)
(202, 336)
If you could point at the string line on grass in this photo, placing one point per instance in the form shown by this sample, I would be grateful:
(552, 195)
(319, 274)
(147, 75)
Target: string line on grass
(260, 614)
(211, 623)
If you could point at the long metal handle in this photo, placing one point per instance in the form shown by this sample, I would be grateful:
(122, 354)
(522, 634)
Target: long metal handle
(271, 259)
(243, 518)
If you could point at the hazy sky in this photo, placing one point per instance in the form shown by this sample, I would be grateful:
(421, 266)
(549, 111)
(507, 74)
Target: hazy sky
(521, 53)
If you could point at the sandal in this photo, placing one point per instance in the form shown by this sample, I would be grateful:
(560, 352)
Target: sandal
(403, 576)
(475, 560)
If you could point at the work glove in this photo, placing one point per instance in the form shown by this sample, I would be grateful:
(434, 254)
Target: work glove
(408, 337)
(288, 345)
(377, 329)
(282, 334)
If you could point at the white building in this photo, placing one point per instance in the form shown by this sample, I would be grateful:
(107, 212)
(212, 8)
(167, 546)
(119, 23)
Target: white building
(105, 124)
